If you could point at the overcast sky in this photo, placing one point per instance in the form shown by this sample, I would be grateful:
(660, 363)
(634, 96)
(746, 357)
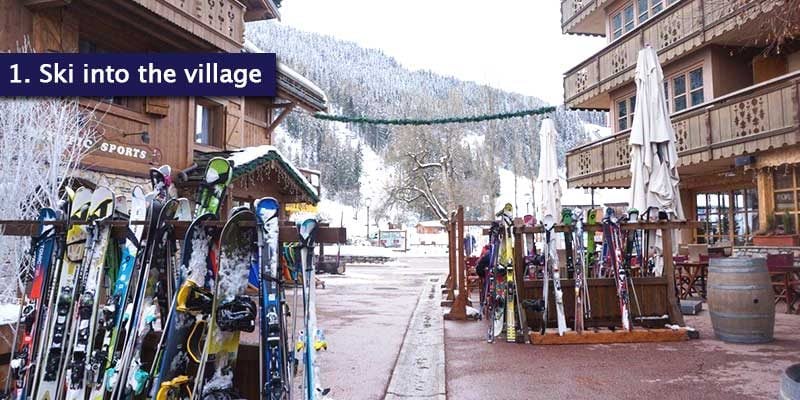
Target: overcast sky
(514, 45)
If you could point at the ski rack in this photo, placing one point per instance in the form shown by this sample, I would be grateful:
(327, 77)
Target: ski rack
(455, 291)
(329, 235)
(659, 294)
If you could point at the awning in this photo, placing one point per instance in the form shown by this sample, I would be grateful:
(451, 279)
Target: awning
(250, 161)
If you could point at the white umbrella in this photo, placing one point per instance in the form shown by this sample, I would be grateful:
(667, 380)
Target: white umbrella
(548, 196)
(654, 158)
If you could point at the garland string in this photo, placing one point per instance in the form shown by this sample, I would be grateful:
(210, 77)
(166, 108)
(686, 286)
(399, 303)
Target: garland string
(434, 121)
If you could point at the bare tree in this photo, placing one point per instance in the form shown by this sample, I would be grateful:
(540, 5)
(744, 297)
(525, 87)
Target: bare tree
(43, 142)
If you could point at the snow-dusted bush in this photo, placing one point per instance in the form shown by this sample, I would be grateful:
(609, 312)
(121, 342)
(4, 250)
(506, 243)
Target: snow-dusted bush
(42, 141)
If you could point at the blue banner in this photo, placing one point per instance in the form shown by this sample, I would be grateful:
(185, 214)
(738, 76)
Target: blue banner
(151, 74)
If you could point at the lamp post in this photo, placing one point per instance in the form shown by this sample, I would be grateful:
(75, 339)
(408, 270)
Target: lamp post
(368, 200)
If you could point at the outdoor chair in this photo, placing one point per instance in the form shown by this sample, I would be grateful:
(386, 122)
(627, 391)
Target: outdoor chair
(782, 276)
(473, 280)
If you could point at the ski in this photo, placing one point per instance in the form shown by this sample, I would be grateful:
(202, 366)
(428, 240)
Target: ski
(133, 308)
(611, 239)
(581, 284)
(90, 277)
(276, 382)
(33, 312)
(49, 380)
(111, 318)
(591, 247)
(566, 220)
(495, 308)
(507, 260)
(313, 340)
(154, 296)
(232, 311)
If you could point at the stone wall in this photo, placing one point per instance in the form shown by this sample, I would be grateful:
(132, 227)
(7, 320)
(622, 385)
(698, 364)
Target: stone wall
(755, 251)
(121, 185)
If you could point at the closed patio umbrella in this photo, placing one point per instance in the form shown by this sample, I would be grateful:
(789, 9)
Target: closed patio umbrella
(654, 158)
(548, 196)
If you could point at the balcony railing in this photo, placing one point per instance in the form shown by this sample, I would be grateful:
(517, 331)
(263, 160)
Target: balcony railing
(219, 22)
(575, 12)
(757, 118)
(680, 28)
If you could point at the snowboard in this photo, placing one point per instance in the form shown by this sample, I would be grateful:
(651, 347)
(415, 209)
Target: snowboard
(232, 310)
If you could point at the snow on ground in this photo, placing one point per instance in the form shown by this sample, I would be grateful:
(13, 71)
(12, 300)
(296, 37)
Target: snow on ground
(374, 251)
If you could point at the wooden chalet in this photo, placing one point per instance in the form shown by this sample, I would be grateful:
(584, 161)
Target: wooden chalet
(137, 133)
(735, 111)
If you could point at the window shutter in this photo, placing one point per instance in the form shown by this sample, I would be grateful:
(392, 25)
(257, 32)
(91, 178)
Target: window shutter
(157, 106)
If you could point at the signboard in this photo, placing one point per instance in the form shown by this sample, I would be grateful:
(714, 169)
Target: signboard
(292, 208)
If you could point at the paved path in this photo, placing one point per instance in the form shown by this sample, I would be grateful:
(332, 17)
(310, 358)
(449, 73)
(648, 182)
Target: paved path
(697, 369)
(419, 372)
(365, 315)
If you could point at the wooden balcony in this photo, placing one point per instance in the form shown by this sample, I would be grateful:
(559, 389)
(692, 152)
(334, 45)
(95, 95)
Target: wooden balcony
(679, 29)
(583, 17)
(758, 118)
(218, 22)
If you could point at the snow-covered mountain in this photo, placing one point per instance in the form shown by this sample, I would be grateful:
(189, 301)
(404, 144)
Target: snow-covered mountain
(358, 81)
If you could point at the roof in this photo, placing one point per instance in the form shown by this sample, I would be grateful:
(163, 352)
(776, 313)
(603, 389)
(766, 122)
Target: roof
(434, 224)
(249, 159)
(294, 86)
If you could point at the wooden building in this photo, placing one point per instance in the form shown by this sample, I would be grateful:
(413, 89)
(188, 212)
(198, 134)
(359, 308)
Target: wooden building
(735, 107)
(137, 133)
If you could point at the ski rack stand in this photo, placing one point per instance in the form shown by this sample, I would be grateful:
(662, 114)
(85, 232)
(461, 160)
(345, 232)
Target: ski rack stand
(656, 294)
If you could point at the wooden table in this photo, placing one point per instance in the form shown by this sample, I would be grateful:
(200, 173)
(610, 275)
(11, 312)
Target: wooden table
(691, 278)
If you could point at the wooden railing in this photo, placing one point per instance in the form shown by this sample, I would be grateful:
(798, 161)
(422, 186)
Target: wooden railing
(754, 119)
(221, 22)
(681, 27)
(575, 11)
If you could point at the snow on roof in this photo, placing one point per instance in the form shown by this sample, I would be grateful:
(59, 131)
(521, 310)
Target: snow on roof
(248, 155)
(436, 224)
(250, 47)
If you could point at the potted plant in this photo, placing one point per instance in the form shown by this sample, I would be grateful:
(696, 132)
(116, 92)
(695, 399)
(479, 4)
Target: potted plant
(781, 234)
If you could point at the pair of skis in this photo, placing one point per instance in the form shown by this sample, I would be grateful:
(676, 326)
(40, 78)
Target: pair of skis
(506, 311)
(551, 271)
(68, 338)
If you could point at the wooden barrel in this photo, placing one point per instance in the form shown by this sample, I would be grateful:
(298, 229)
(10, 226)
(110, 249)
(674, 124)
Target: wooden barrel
(790, 383)
(741, 300)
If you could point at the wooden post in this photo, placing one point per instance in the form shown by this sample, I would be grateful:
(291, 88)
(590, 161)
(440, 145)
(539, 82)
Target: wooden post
(459, 309)
(519, 270)
(673, 308)
(450, 282)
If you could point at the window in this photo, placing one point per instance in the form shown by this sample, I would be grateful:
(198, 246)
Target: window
(616, 25)
(716, 211)
(208, 123)
(635, 13)
(745, 216)
(625, 109)
(644, 9)
(787, 190)
(687, 90)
